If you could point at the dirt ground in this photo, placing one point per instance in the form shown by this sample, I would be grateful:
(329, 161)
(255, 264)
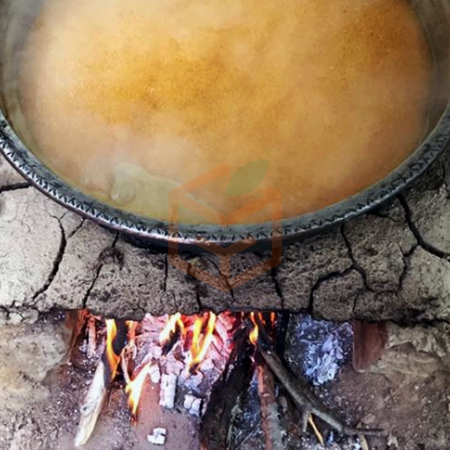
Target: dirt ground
(407, 393)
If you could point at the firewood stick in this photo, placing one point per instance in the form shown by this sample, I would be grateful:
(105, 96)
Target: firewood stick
(129, 352)
(364, 443)
(98, 390)
(303, 398)
(249, 435)
(124, 367)
(92, 406)
(369, 341)
(316, 431)
(92, 337)
(269, 407)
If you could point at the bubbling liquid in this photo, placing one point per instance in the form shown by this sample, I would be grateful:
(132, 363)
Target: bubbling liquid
(127, 100)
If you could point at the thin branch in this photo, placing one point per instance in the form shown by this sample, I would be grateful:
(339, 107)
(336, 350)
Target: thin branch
(269, 407)
(303, 398)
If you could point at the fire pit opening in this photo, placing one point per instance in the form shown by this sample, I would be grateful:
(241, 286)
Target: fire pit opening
(218, 381)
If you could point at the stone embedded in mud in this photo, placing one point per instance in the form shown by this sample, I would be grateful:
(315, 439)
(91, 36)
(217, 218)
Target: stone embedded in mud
(28, 353)
(416, 351)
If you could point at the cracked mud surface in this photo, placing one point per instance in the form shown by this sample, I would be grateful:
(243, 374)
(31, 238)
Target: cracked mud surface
(392, 264)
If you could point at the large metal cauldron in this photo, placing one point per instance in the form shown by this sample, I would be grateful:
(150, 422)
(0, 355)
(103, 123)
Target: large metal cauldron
(17, 15)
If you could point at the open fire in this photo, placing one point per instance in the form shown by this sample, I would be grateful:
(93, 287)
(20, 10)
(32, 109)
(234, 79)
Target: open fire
(195, 336)
(192, 358)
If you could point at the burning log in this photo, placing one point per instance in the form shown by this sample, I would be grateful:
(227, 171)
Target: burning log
(225, 395)
(302, 397)
(104, 374)
(270, 419)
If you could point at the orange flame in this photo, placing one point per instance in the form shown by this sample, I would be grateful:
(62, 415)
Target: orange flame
(175, 322)
(199, 329)
(268, 321)
(255, 332)
(200, 344)
(134, 389)
(111, 333)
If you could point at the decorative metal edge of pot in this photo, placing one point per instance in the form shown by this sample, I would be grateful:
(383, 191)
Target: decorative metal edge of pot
(188, 235)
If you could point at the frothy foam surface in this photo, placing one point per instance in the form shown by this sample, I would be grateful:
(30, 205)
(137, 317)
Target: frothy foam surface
(128, 99)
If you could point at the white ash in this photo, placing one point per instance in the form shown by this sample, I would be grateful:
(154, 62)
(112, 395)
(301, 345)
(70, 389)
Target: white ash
(330, 439)
(392, 441)
(207, 365)
(173, 365)
(351, 443)
(155, 373)
(191, 381)
(158, 437)
(323, 348)
(168, 391)
(155, 352)
(171, 370)
(193, 404)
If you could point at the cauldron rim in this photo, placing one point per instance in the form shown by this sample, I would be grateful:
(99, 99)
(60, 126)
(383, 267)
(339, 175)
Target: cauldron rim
(157, 232)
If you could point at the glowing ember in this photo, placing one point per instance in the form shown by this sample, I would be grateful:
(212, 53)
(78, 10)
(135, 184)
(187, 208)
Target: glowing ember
(134, 389)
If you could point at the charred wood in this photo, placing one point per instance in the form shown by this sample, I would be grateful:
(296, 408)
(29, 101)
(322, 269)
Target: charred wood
(215, 430)
(273, 431)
